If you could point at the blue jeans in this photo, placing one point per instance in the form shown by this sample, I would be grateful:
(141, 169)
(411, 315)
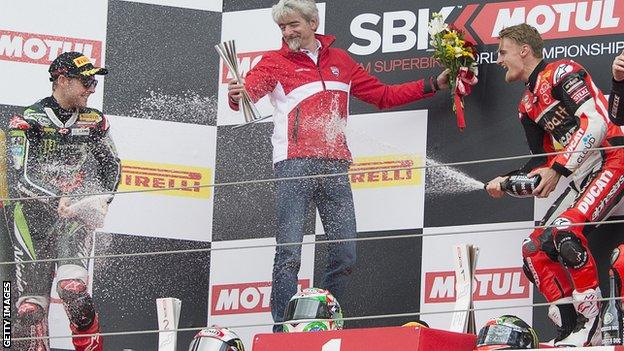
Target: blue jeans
(334, 201)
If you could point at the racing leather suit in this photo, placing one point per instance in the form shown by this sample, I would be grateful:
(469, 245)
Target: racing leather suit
(562, 105)
(55, 152)
(616, 105)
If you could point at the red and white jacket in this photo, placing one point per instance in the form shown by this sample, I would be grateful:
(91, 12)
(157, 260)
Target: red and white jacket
(311, 100)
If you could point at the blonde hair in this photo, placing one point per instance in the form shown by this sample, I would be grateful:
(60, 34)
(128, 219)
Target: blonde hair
(525, 34)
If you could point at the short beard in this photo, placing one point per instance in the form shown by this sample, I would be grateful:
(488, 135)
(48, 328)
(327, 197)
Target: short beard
(294, 44)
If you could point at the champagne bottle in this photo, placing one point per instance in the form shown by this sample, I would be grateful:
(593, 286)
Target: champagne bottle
(611, 315)
(520, 185)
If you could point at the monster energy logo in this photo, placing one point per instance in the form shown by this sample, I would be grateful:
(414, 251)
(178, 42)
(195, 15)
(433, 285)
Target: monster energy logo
(49, 146)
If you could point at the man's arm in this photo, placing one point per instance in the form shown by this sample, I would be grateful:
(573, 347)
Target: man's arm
(258, 82)
(369, 88)
(23, 141)
(616, 105)
(538, 142)
(104, 152)
(578, 95)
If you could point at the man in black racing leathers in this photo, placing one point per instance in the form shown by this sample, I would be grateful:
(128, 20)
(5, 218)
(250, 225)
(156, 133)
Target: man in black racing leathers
(59, 147)
(616, 105)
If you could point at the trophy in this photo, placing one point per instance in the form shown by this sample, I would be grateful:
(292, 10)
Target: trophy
(227, 51)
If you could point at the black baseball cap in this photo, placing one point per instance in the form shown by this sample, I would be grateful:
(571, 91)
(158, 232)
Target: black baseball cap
(73, 64)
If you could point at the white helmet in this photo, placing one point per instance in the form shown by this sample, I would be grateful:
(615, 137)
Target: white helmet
(216, 339)
(312, 303)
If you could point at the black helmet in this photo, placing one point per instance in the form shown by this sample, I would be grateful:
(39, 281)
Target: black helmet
(506, 333)
(216, 339)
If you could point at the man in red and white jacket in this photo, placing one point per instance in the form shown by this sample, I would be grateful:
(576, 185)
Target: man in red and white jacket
(309, 83)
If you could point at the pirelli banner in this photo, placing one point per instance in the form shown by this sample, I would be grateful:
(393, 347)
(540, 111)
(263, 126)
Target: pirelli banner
(166, 99)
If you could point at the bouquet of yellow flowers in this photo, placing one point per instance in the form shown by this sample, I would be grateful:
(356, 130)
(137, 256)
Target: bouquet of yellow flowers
(457, 54)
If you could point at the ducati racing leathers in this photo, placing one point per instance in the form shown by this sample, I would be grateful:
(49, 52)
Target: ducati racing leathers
(563, 108)
(55, 152)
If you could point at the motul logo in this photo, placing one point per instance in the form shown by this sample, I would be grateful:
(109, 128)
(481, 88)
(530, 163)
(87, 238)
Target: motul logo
(554, 19)
(43, 49)
(246, 61)
(244, 298)
(490, 284)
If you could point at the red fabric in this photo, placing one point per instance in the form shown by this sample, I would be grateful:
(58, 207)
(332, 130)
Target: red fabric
(551, 278)
(390, 338)
(464, 82)
(88, 343)
(311, 100)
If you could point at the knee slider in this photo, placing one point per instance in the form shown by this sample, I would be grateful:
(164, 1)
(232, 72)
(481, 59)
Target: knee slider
(30, 312)
(528, 272)
(571, 251)
(77, 302)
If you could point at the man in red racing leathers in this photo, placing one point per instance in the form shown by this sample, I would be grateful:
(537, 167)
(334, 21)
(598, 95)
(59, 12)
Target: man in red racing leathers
(563, 105)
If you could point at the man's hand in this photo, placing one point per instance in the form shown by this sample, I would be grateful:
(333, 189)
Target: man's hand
(443, 79)
(549, 181)
(235, 90)
(618, 67)
(493, 187)
(64, 208)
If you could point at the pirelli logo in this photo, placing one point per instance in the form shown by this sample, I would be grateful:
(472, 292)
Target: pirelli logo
(138, 175)
(384, 171)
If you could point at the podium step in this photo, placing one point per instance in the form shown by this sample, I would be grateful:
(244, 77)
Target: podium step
(374, 339)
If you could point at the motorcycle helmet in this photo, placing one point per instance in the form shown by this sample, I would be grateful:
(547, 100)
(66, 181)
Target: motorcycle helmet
(216, 339)
(310, 304)
(506, 333)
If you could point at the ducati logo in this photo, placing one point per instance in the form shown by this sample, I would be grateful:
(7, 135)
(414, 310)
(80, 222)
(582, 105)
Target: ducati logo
(335, 71)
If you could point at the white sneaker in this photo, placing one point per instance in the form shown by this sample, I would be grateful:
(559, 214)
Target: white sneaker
(587, 330)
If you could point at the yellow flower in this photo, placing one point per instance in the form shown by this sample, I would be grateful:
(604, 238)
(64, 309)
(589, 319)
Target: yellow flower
(459, 52)
(467, 53)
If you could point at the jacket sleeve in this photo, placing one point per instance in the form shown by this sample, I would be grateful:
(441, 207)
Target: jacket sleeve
(259, 81)
(369, 88)
(104, 152)
(539, 143)
(24, 141)
(616, 105)
(579, 96)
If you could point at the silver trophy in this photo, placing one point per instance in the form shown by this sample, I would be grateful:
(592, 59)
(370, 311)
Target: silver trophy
(227, 51)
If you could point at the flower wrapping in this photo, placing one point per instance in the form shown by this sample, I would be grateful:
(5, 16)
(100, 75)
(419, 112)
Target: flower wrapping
(457, 54)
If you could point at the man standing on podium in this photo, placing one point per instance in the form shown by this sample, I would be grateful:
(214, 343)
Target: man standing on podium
(562, 104)
(309, 82)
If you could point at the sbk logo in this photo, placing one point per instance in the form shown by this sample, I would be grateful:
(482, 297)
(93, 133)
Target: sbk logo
(244, 298)
(400, 31)
(43, 49)
(490, 284)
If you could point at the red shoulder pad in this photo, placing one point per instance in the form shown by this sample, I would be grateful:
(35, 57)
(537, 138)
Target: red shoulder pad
(18, 122)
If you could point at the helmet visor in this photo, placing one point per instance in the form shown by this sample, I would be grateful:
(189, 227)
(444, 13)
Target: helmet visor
(306, 309)
(208, 344)
(503, 335)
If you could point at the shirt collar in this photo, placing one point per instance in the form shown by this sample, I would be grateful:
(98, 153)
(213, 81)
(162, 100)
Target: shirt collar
(318, 48)
(533, 77)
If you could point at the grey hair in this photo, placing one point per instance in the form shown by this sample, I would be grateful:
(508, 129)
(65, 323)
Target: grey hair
(306, 8)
